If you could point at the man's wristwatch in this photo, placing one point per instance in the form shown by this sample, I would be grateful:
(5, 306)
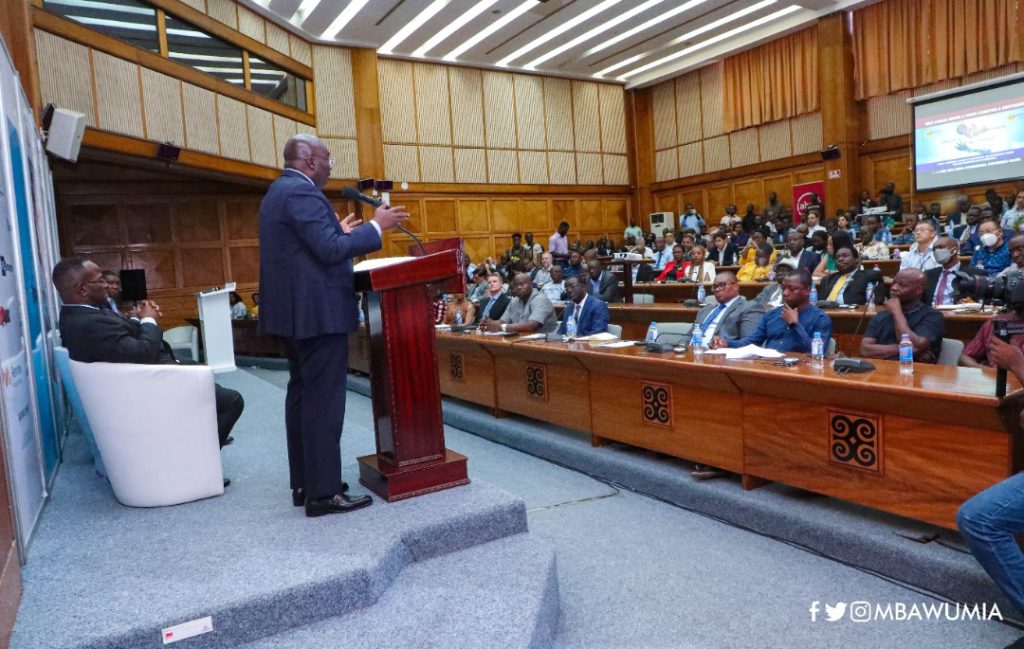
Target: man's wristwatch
(504, 327)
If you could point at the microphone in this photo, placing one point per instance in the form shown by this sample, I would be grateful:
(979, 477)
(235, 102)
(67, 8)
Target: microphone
(353, 194)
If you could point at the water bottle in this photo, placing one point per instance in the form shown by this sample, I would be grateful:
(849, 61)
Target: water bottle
(817, 351)
(771, 275)
(871, 293)
(814, 293)
(458, 317)
(887, 236)
(906, 355)
(652, 333)
(697, 340)
(570, 324)
(701, 294)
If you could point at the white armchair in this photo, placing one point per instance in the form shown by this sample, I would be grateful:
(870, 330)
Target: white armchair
(158, 435)
(184, 341)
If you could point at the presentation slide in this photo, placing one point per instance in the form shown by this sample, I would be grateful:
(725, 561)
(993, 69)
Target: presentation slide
(970, 138)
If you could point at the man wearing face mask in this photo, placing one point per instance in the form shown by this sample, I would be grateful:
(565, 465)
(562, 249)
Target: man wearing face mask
(941, 285)
(993, 255)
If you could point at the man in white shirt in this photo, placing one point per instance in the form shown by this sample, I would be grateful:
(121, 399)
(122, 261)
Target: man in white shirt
(662, 255)
(921, 256)
(554, 288)
(543, 275)
(1013, 218)
(814, 222)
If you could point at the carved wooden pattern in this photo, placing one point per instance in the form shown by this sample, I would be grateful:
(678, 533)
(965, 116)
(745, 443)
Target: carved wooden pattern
(536, 382)
(855, 440)
(656, 399)
(457, 366)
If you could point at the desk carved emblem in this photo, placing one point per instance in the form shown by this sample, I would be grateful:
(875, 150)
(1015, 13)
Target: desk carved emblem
(657, 403)
(536, 382)
(456, 366)
(855, 440)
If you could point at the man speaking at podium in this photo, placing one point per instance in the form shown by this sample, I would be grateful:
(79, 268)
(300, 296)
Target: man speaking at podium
(308, 302)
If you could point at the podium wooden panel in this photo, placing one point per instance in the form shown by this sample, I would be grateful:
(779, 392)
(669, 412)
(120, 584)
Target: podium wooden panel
(411, 457)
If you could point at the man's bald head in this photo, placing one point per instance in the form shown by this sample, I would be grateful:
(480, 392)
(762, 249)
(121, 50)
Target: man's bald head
(307, 154)
(908, 286)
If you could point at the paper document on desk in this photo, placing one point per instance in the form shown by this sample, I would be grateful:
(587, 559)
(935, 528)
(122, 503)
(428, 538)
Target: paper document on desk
(750, 351)
(534, 337)
(373, 264)
(616, 344)
(599, 336)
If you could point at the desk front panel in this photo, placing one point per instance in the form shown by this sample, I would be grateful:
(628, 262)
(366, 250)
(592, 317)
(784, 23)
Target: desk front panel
(543, 381)
(465, 369)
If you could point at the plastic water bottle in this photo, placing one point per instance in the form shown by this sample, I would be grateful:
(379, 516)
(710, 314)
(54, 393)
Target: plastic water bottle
(817, 351)
(570, 324)
(814, 293)
(871, 293)
(906, 355)
(887, 236)
(697, 340)
(652, 333)
(458, 317)
(701, 294)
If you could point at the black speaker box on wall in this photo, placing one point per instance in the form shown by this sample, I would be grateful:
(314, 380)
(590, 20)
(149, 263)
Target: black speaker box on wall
(831, 152)
(133, 285)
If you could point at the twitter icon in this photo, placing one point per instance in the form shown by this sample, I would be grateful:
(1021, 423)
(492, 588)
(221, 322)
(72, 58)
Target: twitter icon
(834, 613)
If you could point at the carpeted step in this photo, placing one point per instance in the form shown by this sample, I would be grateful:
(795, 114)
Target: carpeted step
(500, 594)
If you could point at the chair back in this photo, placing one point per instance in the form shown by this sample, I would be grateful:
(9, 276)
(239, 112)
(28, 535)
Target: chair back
(615, 329)
(643, 298)
(63, 360)
(950, 352)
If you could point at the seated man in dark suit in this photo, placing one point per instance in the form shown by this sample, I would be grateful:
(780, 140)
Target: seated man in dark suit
(849, 285)
(797, 255)
(733, 317)
(941, 286)
(591, 314)
(722, 252)
(494, 303)
(95, 334)
(791, 327)
(601, 283)
(905, 313)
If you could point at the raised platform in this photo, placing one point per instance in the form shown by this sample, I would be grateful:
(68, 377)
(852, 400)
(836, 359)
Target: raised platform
(103, 575)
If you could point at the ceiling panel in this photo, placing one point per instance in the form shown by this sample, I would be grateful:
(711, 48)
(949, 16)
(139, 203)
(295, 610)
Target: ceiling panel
(591, 36)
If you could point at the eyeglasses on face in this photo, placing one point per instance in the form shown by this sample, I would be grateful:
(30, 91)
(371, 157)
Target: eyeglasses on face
(331, 161)
(720, 285)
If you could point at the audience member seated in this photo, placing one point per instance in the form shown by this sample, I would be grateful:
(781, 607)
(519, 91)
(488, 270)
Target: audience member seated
(921, 254)
(993, 255)
(774, 205)
(907, 237)
(959, 215)
(975, 353)
(688, 241)
(798, 255)
(543, 274)
(739, 236)
(662, 254)
(990, 520)
(814, 222)
(494, 303)
(93, 333)
(869, 248)
(760, 269)
(459, 311)
(790, 327)
(941, 285)
(770, 296)
(757, 240)
(1013, 218)
(967, 234)
(113, 290)
(601, 283)
(591, 314)
(1016, 246)
(556, 287)
(678, 260)
(696, 270)
(849, 284)
(730, 217)
(255, 310)
(478, 287)
(575, 267)
(905, 313)
(733, 317)
(238, 309)
(722, 252)
(828, 259)
(530, 311)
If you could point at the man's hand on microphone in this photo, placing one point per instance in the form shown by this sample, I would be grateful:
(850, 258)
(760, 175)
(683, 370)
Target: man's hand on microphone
(389, 218)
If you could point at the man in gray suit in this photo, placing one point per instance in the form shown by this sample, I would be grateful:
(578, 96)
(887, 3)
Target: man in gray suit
(733, 317)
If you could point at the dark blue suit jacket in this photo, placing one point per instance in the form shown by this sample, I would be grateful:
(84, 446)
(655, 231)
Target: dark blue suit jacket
(593, 318)
(306, 279)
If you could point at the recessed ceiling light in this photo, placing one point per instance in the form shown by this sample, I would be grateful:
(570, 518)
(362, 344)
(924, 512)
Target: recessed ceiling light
(620, 64)
(558, 31)
(347, 14)
(596, 31)
(440, 36)
(711, 41)
(493, 27)
(412, 26)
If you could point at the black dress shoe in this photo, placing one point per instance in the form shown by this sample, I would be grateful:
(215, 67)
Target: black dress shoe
(299, 495)
(227, 482)
(229, 440)
(336, 504)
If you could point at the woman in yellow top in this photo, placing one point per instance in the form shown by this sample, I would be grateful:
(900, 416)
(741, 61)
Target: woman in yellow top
(759, 269)
(749, 254)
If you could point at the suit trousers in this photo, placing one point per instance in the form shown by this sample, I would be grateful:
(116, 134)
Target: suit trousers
(229, 409)
(314, 411)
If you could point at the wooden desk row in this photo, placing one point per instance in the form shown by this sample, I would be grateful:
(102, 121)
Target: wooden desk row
(916, 446)
(848, 326)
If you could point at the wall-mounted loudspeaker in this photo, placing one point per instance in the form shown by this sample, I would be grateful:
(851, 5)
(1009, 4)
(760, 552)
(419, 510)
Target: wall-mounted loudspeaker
(168, 151)
(831, 152)
(64, 137)
(133, 285)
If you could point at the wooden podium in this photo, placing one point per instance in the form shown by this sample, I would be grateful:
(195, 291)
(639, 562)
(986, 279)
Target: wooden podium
(411, 457)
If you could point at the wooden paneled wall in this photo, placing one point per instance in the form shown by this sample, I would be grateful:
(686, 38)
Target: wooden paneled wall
(710, 198)
(487, 221)
(690, 139)
(240, 18)
(447, 124)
